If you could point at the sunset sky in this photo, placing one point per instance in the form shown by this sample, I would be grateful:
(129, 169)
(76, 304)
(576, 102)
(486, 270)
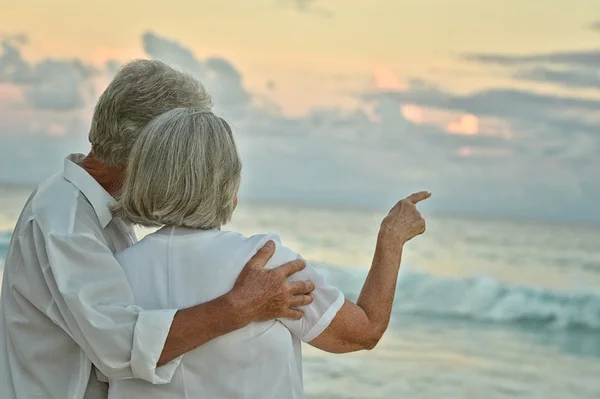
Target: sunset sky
(491, 105)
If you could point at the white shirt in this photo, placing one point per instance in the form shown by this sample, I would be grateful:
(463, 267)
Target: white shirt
(66, 302)
(177, 267)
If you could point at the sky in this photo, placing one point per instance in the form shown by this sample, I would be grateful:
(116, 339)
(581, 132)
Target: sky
(493, 106)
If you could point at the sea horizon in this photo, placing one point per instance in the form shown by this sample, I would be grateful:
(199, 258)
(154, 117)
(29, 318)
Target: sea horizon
(483, 216)
(475, 296)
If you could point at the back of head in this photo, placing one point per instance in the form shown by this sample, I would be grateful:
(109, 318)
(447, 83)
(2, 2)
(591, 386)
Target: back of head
(184, 170)
(141, 91)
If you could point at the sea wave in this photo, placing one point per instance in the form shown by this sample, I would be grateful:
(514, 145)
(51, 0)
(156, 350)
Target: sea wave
(483, 298)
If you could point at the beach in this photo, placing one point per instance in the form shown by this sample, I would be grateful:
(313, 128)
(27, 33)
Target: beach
(484, 308)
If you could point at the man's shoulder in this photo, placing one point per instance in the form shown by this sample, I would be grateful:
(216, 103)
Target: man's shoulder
(58, 207)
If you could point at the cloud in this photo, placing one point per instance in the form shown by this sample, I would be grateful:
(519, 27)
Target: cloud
(309, 7)
(368, 156)
(550, 142)
(304, 5)
(506, 103)
(369, 159)
(573, 78)
(556, 128)
(581, 58)
(221, 78)
(386, 79)
(175, 54)
(51, 84)
(568, 69)
(31, 156)
(468, 124)
(225, 83)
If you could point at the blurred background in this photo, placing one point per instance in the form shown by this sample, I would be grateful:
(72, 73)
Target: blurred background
(340, 109)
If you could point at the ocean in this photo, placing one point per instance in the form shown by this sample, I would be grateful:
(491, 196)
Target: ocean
(484, 308)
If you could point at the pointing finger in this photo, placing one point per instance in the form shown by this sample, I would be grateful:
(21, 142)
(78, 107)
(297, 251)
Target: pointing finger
(418, 197)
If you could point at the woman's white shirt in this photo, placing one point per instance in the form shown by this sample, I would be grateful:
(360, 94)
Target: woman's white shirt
(177, 267)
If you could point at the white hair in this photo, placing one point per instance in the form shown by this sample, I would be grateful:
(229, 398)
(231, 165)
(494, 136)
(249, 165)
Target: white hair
(184, 170)
(141, 91)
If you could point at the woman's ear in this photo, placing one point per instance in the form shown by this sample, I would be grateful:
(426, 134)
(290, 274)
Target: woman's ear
(235, 202)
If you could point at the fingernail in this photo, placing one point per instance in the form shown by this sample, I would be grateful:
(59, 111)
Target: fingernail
(270, 244)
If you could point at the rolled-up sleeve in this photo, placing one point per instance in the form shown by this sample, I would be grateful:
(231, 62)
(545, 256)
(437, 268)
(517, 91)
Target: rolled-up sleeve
(94, 303)
(316, 317)
(327, 300)
(151, 330)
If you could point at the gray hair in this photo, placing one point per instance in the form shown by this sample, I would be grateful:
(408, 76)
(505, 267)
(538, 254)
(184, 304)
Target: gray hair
(184, 170)
(141, 91)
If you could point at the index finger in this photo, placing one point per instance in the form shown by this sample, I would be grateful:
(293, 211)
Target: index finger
(418, 197)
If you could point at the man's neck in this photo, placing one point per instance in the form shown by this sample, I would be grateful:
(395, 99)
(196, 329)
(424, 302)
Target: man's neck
(110, 178)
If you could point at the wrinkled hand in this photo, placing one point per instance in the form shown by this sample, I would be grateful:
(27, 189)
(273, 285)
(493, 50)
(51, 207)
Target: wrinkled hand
(404, 221)
(262, 294)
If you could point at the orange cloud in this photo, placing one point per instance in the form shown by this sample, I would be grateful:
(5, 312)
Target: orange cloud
(465, 151)
(467, 124)
(483, 152)
(413, 113)
(10, 93)
(385, 78)
(56, 129)
(12, 114)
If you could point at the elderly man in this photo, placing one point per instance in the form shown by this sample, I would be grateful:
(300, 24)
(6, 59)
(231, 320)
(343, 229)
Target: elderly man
(66, 304)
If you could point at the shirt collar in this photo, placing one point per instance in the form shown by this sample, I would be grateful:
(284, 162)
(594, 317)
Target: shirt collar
(89, 187)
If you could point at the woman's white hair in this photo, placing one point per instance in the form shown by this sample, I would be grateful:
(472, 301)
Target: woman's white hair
(141, 91)
(184, 170)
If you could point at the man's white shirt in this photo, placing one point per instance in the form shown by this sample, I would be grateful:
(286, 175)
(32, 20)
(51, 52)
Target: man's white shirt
(66, 303)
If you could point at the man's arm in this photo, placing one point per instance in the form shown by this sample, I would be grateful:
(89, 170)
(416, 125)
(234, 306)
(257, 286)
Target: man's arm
(259, 294)
(360, 326)
(94, 304)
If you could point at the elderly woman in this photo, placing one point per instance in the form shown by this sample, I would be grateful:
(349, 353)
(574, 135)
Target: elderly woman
(184, 175)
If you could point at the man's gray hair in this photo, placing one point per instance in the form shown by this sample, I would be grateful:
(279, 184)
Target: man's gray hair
(141, 91)
(184, 170)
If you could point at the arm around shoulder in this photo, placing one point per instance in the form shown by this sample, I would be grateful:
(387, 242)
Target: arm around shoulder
(94, 304)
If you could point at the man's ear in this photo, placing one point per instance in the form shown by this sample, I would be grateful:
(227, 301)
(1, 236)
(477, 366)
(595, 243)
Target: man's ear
(235, 202)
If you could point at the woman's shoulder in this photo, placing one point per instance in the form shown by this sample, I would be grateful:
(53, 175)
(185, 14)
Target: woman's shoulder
(255, 242)
(255, 239)
(149, 246)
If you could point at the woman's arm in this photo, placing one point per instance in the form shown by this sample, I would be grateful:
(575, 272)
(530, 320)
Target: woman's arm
(361, 325)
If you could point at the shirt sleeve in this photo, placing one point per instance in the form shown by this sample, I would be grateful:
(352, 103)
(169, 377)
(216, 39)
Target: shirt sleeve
(94, 303)
(328, 300)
